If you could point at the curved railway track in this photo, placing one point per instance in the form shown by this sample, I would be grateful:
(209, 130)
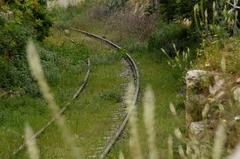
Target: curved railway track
(62, 110)
(115, 136)
(135, 72)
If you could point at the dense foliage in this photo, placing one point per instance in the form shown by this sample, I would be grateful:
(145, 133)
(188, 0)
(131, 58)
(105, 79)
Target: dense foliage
(19, 21)
(172, 9)
(167, 36)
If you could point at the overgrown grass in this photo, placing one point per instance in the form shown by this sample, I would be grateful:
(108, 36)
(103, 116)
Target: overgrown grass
(166, 85)
(91, 116)
(61, 70)
(165, 80)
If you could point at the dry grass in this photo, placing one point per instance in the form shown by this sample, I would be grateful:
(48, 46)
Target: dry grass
(123, 21)
(139, 26)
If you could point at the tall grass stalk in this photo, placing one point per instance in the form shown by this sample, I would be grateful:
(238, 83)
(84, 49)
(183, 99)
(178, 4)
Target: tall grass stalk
(32, 148)
(135, 148)
(196, 11)
(173, 109)
(121, 156)
(149, 121)
(219, 142)
(236, 153)
(223, 63)
(170, 147)
(38, 74)
(178, 134)
(181, 152)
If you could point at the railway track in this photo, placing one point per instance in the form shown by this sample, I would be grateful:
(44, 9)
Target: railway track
(115, 136)
(135, 72)
(62, 110)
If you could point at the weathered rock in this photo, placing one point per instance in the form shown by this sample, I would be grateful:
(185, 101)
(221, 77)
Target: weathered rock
(197, 129)
(203, 88)
(212, 98)
(195, 77)
(236, 94)
(217, 86)
(198, 82)
(194, 106)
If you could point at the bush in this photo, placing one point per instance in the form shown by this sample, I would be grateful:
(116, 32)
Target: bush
(19, 21)
(4, 73)
(12, 40)
(213, 52)
(172, 9)
(128, 23)
(167, 36)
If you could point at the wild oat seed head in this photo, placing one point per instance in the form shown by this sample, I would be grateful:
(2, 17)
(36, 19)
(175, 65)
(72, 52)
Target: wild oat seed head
(37, 72)
(219, 141)
(178, 134)
(170, 147)
(32, 148)
(121, 156)
(236, 153)
(172, 109)
(135, 148)
(149, 121)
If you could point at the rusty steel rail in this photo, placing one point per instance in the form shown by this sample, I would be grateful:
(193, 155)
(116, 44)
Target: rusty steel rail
(136, 76)
(62, 110)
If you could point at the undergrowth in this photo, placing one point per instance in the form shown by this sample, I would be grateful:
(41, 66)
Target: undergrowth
(18, 22)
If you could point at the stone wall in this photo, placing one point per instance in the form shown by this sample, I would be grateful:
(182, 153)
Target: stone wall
(210, 98)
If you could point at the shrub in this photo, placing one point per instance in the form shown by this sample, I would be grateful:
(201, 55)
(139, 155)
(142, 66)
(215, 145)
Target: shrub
(12, 40)
(217, 20)
(213, 52)
(128, 23)
(99, 12)
(172, 9)
(4, 73)
(20, 20)
(167, 36)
